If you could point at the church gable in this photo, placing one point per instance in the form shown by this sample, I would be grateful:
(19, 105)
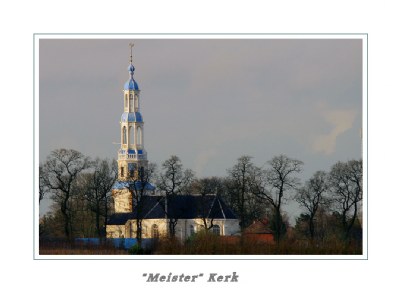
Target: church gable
(196, 206)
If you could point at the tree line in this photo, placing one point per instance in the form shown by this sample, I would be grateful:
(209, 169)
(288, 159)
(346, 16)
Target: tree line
(80, 190)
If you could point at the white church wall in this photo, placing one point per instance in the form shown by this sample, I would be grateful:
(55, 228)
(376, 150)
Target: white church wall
(227, 226)
(231, 227)
(115, 231)
(147, 227)
(183, 228)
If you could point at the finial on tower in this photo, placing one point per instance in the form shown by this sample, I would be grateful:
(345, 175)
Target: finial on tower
(131, 45)
(131, 69)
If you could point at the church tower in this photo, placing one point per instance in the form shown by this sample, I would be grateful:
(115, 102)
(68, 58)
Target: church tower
(131, 156)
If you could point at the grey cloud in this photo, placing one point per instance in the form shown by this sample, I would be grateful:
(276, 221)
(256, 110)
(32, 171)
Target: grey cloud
(208, 101)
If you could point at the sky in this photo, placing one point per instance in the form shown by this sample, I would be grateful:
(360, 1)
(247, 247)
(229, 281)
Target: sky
(208, 101)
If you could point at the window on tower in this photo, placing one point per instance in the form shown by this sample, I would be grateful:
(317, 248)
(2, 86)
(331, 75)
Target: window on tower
(124, 135)
(131, 169)
(139, 136)
(136, 103)
(122, 172)
(126, 100)
(131, 102)
(131, 137)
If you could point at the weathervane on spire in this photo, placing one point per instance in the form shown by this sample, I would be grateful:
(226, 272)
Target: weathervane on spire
(131, 45)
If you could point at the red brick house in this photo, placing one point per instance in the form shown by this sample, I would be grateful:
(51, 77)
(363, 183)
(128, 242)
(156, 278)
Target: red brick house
(259, 232)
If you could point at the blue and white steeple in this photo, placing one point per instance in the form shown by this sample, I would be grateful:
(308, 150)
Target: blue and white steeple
(131, 155)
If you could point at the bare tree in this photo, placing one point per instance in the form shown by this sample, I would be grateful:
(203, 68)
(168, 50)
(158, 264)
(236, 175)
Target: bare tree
(173, 180)
(43, 187)
(311, 197)
(60, 172)
(345, 179)
(208, 188)
(241, 178)
(97, 187)
(140, 186)
(275, 186)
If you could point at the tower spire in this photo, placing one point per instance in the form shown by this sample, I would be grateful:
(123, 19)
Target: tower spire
(131, 45)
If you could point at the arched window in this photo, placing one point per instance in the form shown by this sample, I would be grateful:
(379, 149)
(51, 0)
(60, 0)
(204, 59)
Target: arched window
(133, 230)
(131, 102)
(192, 231)
(136, 103)
(126, 100)
(154, 231)
(131, 138)
(124, 135)
(139, 136)
(131, 169)
(216, 230)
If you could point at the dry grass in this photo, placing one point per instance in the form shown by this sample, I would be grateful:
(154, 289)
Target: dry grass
(66, 248)
(209, 244)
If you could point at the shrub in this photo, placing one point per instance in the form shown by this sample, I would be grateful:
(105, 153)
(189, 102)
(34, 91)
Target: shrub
(135, 249)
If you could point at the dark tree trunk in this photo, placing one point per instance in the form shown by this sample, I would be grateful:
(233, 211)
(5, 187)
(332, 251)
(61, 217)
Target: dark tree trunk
(105, 214)
(311, 227)
(98, 219)
(67, 219)
(278, 223)
(172, 226)
(278, 216)
(139, 233)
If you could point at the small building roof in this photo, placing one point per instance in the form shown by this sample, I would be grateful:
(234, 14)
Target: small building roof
(259, 227)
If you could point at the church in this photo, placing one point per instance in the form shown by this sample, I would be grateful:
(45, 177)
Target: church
(189, 212)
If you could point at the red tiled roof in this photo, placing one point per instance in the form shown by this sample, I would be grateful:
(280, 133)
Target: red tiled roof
(259, 227)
